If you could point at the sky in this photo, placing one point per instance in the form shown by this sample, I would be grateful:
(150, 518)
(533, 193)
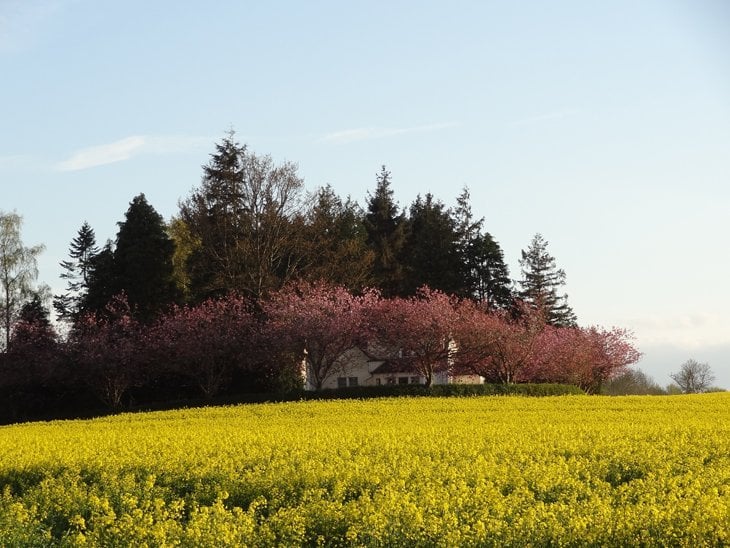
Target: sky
(604, 126)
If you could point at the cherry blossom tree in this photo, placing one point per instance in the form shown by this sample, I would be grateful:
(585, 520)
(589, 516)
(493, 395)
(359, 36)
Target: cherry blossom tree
(586, 357)
(208, 342)
(315, 324)
(416, 332)
(108, 350)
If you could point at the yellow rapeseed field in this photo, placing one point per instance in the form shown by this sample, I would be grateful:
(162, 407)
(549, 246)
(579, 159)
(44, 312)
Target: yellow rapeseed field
(480, 471)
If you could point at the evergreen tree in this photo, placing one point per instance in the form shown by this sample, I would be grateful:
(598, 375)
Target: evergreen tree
(77, 272)
(385, 228)
(335, 243)
(241, 219)
(540, 282)
(431, 252)
(103, 282)
(486, 274)
(143, 260)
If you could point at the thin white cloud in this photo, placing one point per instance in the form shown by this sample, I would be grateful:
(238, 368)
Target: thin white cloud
(364, 134)
(100, 155)
(129, 147)
(547, 117)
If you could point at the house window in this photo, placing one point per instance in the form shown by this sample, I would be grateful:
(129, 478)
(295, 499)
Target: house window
(352, 381)
(341, 382)
(377, 382)
(415, 380)
(402, 380)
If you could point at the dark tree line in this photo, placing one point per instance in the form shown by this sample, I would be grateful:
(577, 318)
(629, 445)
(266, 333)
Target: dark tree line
(247, 231)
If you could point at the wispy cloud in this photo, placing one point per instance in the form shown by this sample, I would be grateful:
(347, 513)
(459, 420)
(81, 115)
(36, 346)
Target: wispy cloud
(368, 133)
(129, 147)
(100, 155)
(548, 116)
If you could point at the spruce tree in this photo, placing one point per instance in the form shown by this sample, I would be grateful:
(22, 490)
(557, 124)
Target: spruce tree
(540, 282)
(431, 251)
(486, 274)
(77, 272)
(385, 228)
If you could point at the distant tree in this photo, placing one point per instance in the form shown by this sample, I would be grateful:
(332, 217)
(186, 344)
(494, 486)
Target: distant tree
(18, 272)
(632, 382)
(486, 274)
(316, 324)
(694, 377)
(334, 243)
(431, 249)
(242, 218)
(540, 282)
(385, 227)
(77, 272)
(143, 261)
(416, 332)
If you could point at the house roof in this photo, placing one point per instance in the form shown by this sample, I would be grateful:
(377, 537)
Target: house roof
(394, 366)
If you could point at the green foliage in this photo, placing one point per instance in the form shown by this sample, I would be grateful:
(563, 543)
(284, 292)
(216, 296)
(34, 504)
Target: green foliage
(431, 250)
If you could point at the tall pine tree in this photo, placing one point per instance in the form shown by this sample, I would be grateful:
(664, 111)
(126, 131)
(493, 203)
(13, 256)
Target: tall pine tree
(541, 280)
(385, 228)
(77, 272)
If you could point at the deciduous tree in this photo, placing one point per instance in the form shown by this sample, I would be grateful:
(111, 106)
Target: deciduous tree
(416, 332)
(316, 324)
(18, 272)
(693, 377)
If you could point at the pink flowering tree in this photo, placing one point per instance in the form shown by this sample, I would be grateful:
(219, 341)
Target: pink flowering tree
(208, 342)
(313, 325)
(416, 332)
(586, 357)
(108, 351)
(498, 346)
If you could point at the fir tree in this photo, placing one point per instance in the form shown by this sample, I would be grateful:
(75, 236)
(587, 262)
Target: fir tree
(540, 282)
(77, 272)
(486, 274)
(385, 228)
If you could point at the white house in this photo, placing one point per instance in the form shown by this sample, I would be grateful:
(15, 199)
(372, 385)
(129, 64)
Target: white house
(357, 367)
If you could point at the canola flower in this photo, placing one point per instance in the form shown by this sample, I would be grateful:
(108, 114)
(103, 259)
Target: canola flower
(479, 471)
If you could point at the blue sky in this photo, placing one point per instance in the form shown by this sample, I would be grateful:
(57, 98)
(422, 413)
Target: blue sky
(605, 126)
